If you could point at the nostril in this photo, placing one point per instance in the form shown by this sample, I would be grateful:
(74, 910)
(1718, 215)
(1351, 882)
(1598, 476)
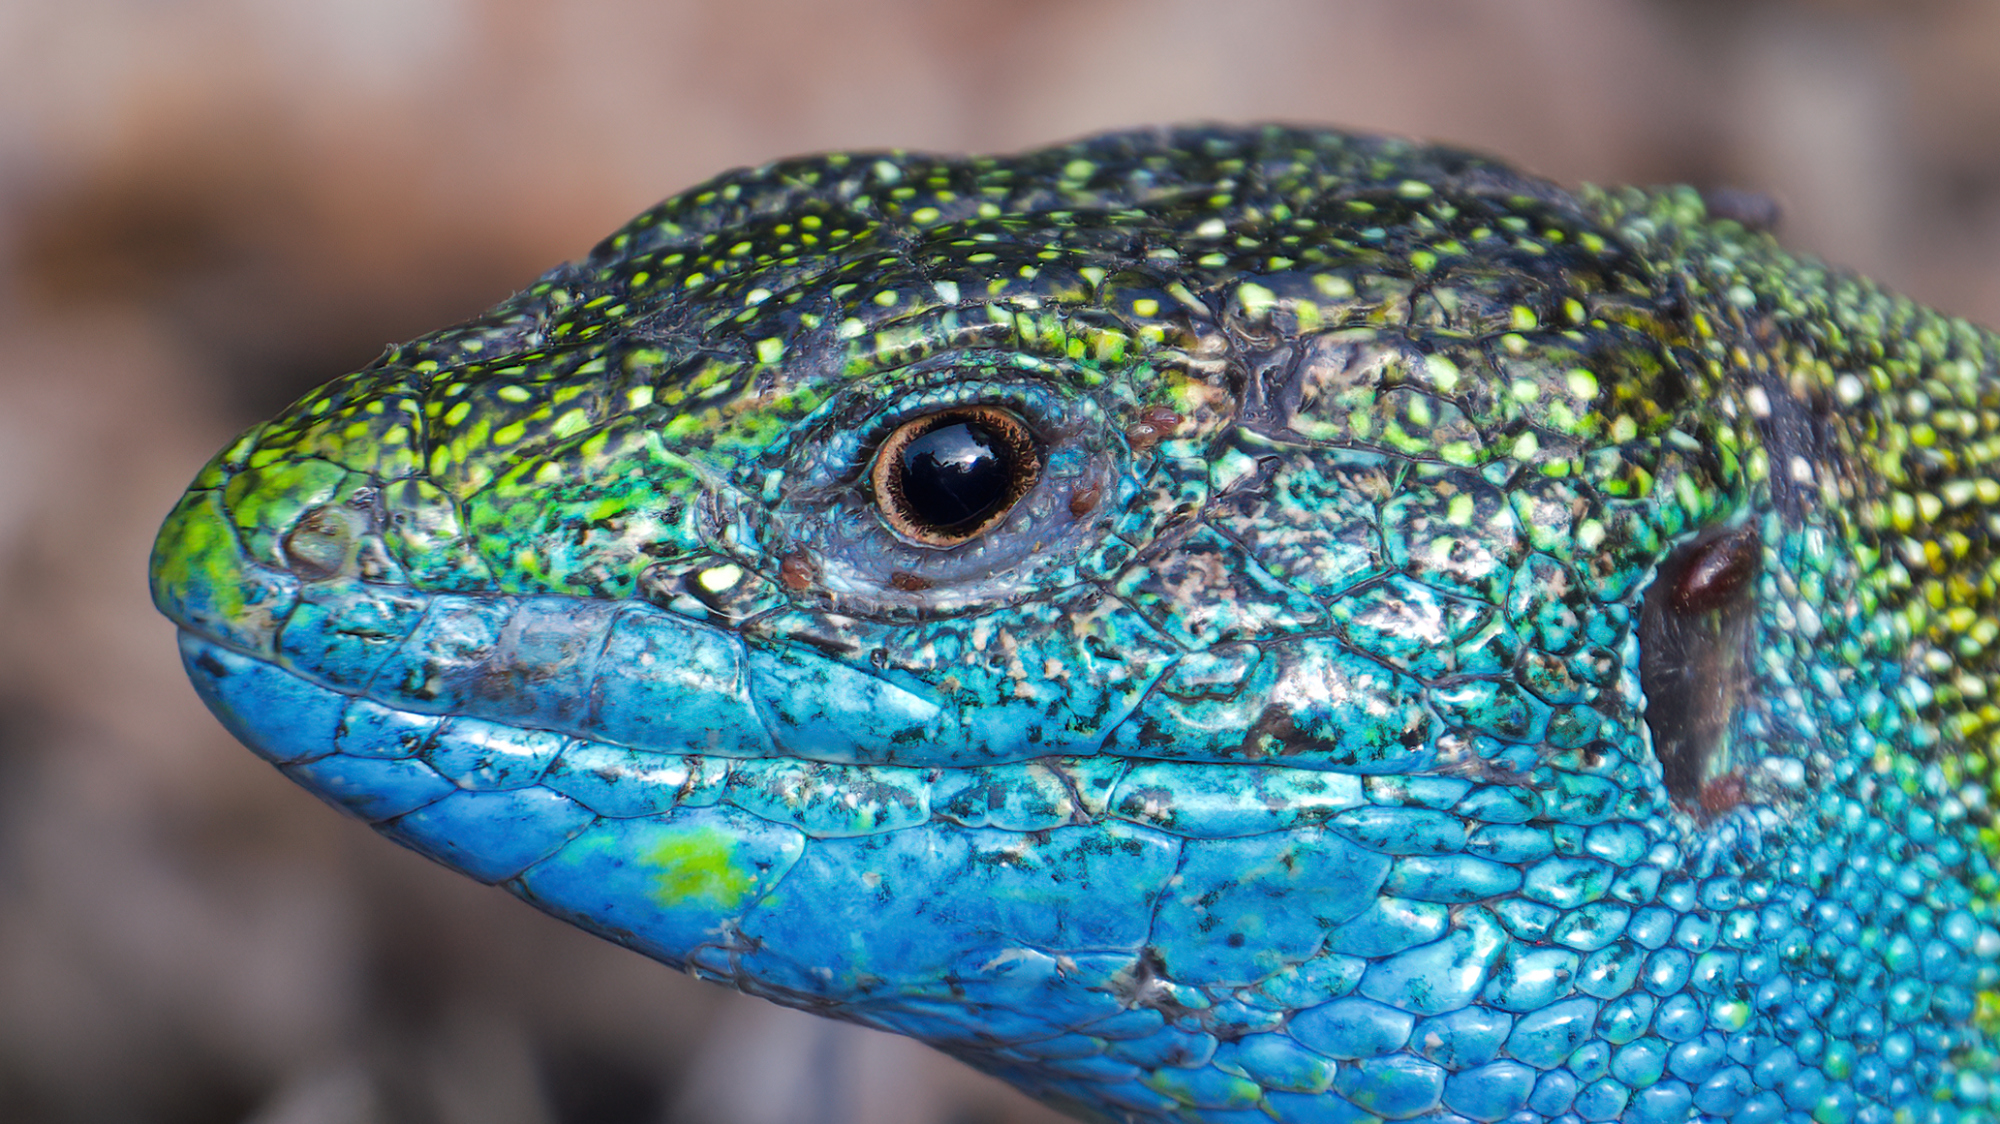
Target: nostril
(322, 545)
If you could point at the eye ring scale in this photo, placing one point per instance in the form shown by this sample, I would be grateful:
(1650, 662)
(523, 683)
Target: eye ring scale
(950, 476)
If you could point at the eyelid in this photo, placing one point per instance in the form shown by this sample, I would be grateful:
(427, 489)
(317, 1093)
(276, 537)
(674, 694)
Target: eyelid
(845, 433)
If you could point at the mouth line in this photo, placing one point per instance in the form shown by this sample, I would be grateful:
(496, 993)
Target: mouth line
(630, 673)
(386, 764)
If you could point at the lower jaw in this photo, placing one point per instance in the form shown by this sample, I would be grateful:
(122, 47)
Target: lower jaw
(1083, 925)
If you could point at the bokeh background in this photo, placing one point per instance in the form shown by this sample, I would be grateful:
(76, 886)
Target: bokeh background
(207, 206)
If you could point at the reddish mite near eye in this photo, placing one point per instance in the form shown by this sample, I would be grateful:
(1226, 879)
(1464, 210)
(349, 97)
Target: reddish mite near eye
(797, 571)
(1154, 426)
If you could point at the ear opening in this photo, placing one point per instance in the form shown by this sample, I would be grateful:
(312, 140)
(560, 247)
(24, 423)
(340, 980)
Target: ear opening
(1694, 661)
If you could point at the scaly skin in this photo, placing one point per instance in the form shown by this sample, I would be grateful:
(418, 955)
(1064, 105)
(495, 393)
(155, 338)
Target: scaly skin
(1474, 651)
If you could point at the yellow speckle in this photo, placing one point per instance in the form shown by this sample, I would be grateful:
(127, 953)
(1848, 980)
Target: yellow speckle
(1444, 374)
(1986, 1012)
(1730, 1014)
(571, 423)
(715, 579)
(1256, 300)
(1333, 286)
(698, 865)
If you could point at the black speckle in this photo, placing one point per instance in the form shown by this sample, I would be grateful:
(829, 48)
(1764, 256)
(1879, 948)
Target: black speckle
(1796, 431)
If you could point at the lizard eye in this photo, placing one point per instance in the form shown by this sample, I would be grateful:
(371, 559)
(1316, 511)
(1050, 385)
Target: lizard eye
(944, 478)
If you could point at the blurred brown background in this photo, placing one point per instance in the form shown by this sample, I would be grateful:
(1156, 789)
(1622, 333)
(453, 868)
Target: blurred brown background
(206, 206)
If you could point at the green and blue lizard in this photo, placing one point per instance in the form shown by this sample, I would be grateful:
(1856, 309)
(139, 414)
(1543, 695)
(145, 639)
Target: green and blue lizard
(1224, 625)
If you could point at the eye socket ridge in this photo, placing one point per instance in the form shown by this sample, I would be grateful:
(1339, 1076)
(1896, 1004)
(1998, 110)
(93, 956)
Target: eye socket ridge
(947, 477)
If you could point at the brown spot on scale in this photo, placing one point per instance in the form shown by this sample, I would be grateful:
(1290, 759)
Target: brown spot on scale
(908, 582)
(797, 571)
(1084, 500)
(1723, 794)
(1144, 983)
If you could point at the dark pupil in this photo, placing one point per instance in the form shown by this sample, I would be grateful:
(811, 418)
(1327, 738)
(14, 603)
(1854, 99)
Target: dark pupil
(955, 475)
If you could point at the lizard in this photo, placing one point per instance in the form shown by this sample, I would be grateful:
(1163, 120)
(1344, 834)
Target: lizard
(1220, 624)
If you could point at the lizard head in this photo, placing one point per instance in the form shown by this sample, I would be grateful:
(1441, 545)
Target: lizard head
(1193, 622)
